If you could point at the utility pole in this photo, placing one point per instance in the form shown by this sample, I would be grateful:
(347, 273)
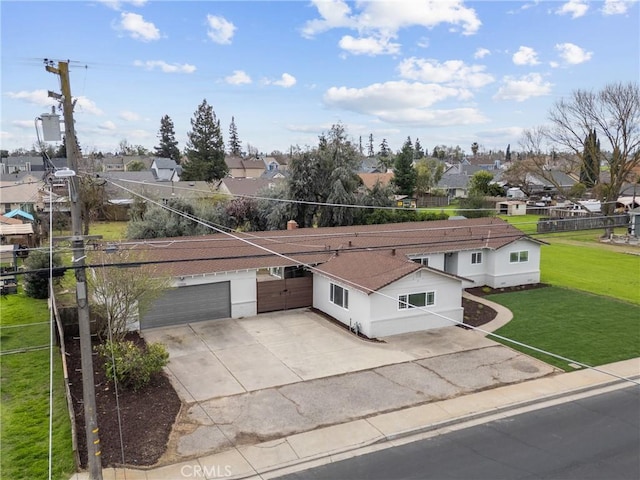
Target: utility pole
(94, 460)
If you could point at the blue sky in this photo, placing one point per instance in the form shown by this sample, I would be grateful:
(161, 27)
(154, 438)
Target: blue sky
(446, 72)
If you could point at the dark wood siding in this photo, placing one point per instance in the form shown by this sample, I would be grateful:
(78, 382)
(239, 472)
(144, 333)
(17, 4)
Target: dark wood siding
(274, 295)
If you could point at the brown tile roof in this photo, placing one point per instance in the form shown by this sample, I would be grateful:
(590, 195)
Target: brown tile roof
(219, 253)
(370, 179)
(10, 221)
(368, 271)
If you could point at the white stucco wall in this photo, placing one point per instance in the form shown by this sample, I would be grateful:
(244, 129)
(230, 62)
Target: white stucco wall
(496, 270)
(242, 286)
(378, 313)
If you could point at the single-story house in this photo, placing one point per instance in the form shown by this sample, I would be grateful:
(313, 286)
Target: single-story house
(383, 293)
(240, 187)
(415, 264)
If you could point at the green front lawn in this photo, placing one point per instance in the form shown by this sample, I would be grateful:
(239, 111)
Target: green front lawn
(588, 328)
(593, 269)
(24, 388)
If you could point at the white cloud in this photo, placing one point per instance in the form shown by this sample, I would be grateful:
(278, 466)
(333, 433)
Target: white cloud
(84, 105)
(575, 8)
(109, 126)
(481, 53)
(505, 132)
(117, 4)
(617, 7)
(220, 29)
(525, 56)
(138, 28)
(239, 77)
(141, 134)
(383, 19)
(129, 116)
(26, 124)
(6, 135)
(165, 67)
(286, 81)
(404, 102)
(36, 97)
(522, 88)
(374, 45)
(573, 54)
(451, 72)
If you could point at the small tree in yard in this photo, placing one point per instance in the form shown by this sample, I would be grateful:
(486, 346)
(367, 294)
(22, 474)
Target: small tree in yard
(36, 285)
(121, 293)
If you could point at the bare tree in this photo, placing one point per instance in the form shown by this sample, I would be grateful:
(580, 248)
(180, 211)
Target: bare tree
(120, 294)
(614, 114)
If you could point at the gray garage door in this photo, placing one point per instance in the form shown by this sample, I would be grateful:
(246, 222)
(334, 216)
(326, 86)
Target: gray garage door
(189, 304)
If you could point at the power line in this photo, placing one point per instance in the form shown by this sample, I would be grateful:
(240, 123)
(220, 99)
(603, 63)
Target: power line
(377, 292)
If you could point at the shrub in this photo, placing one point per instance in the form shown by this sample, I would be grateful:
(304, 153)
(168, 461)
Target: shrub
(132, 366)
(36, 285)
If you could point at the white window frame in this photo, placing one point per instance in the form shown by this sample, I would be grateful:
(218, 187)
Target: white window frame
(404, 300)
(335, 299)
(277, 272)
(424, 261)
(476, 258)
(521, 256)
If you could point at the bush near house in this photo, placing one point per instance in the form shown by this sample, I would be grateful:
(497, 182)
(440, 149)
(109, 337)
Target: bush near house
(131, 365)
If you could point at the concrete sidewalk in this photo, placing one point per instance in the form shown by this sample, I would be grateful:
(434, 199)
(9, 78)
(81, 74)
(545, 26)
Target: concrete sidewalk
(324, 445)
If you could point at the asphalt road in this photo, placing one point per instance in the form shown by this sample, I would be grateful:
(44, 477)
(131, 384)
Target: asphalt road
(592, 438)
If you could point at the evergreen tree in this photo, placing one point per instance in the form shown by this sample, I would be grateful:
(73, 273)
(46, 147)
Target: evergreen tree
(507, 156)
(205, 147)
(590, 168)
(234, 142)
(404, 175)
(418, 150)
(370, 152)
(61, 152)
(168, 147)
(384, 148)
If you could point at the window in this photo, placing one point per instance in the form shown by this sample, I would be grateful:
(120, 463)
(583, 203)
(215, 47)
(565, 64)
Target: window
(422, 261)
(413, 300)
(476, 257)
(519, 257)
(276, 271)
(339, 296)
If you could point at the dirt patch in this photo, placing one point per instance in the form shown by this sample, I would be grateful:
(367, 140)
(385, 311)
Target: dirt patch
(483, 291)
(476, 314)
(146, 416)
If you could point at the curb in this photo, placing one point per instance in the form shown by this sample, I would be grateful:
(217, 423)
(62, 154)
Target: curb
(433, 427)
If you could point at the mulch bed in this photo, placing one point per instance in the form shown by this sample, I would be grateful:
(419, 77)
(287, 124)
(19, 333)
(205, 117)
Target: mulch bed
(146, 416)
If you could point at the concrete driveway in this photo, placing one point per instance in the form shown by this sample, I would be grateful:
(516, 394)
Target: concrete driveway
(257, 379)
(219, 358)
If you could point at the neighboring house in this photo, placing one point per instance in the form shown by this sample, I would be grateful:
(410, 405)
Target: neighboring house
(455, 184)
(421, 263)
(245, 167)
(145, 183)
(370, 179)
(17, 234)
(242, 187)
(13, 165)
(166, 170)
(280, 162)
(113, 164)
(23, 194)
